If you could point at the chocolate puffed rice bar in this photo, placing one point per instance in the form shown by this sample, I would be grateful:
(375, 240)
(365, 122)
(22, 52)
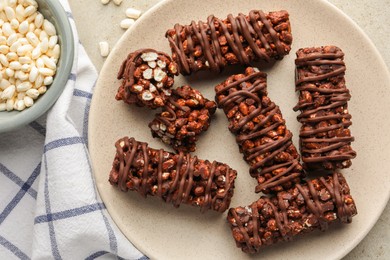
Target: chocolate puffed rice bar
(260, 131)
(175, 178)
(214, 44)
(289, 213)
(325, 140)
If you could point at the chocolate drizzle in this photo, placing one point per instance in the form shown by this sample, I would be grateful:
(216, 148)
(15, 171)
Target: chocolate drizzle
(174, 178)
(168, 108)
(241, 39)
(302, 209)
(324, 137)
(264, 156)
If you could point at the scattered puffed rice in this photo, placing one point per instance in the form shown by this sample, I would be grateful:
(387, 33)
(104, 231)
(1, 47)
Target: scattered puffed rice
(3, 107)
(29, 52)
(126, 23)
(104, 49)
(117, 2)
(105, 1)
(133, 13)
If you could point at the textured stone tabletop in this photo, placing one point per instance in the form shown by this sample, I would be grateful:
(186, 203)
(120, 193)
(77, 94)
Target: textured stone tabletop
(97, 22)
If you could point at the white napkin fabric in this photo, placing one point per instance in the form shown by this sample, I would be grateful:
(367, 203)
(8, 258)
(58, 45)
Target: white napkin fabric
(49, 205)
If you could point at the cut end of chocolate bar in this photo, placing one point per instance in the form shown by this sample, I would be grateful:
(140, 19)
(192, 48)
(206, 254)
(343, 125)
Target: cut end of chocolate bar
(147, 77)
(183, 119)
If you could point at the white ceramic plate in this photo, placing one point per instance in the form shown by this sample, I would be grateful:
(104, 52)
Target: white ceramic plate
(161, 231)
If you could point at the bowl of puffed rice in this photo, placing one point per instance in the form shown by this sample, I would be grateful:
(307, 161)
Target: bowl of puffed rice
(36, 57)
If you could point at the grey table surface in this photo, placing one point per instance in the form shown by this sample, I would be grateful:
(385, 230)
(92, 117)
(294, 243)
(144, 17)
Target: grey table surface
(96, 22)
